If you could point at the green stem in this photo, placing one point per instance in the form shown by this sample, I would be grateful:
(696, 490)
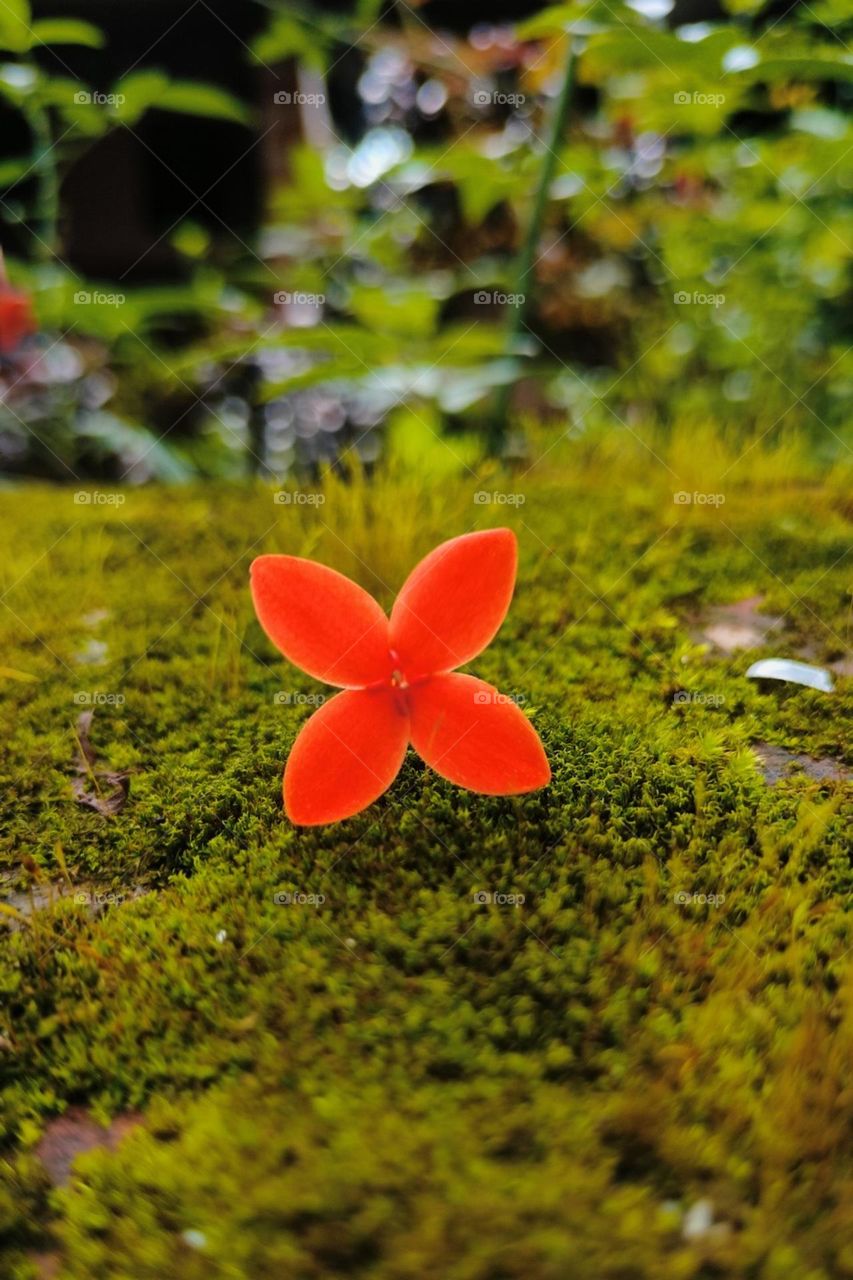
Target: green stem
(48, 177)
(524, 278)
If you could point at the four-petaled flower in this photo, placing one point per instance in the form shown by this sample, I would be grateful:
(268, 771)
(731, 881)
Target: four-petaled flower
(398, 677)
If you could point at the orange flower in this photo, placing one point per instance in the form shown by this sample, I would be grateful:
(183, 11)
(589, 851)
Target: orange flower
(398, 677)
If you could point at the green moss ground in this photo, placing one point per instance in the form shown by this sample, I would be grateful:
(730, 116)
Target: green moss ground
(400, 1083)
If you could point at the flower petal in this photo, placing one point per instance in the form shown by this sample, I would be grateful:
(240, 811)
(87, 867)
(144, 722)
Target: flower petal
(453, 602)
(348, 753)
(476, 737)
(321, 621)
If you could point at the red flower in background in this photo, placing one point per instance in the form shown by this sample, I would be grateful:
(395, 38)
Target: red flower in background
(16, 318)
(398, 677)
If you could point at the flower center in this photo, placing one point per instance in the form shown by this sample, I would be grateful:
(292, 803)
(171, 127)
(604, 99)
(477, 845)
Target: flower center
(398, 676)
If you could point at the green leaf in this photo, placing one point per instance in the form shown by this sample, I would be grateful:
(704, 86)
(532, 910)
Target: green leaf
(406, 312)
(203, 100)
(12, 673)
(367, 12)
(113, 434)
(560, 18)
(136, 92)
(142, 90)
(482, 182)
(15, 33)
(744, 8)
(288, 37)
(552, 21)
(338, 369)
(67, 31)
(627, 51)
(805, 68)
(11, 171)
(75, 104)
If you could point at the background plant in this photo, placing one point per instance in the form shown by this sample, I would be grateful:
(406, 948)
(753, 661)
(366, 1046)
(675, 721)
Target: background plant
(690, 260)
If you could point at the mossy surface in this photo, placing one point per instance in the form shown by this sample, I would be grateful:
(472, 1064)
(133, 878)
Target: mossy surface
(398, 1082)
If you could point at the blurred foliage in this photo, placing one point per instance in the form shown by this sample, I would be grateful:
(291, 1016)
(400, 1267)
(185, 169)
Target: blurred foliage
(694, 255)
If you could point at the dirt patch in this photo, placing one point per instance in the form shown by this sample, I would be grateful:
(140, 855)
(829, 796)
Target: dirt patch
(75, 1132)
(47, 1265)
(729, 627)
(41, 897)
(777, 763)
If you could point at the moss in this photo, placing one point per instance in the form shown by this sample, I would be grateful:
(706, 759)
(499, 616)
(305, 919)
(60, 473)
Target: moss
(400, 1081)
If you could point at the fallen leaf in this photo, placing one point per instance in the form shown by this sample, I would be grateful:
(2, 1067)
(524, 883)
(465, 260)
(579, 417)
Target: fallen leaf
(108, 803)
(86, 755)
(87, 786)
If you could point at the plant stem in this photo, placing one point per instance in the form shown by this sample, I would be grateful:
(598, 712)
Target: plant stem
(524, 278)
(48, 177)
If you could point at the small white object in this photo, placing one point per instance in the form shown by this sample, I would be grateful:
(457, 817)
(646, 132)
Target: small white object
(741, 58)
(92, 654)
(793, 672)
(95, 617)
(652, 8)
(698, 1220)
(195, 1239)
(221, 936)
